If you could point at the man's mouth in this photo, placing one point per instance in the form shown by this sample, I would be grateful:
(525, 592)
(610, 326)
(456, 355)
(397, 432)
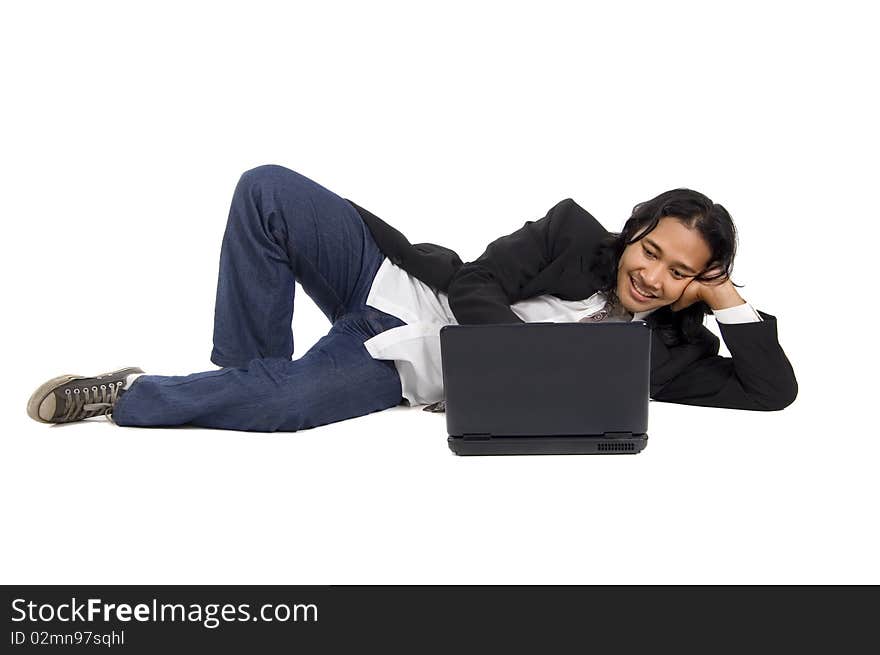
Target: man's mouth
(639, 290)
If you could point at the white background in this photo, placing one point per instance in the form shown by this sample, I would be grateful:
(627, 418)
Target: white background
(125, 130)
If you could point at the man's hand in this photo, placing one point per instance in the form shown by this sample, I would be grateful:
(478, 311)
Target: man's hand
(719, 294)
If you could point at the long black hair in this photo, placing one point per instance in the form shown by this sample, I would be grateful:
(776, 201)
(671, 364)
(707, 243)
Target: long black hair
(695, 211)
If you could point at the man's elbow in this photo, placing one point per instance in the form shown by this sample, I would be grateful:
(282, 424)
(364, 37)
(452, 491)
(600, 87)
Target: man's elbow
(782, 399)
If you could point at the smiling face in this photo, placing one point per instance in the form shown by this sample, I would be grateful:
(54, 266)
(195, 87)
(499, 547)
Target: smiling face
(662, 264)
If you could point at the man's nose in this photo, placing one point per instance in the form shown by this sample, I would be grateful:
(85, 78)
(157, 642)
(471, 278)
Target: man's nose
(651, 277)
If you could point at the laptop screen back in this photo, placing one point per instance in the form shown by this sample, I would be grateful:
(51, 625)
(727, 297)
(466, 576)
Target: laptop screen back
(546, 379)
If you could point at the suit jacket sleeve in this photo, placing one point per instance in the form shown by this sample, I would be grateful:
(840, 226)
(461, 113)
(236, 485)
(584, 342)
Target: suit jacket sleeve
(483, 290)
(757, 376)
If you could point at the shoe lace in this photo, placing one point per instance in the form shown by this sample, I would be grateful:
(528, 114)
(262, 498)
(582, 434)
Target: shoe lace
(87, 402)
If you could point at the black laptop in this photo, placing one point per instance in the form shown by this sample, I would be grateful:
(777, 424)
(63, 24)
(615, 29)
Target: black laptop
(547, 388)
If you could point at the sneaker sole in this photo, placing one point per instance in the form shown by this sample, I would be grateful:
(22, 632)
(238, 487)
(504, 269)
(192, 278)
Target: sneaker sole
(36, 399)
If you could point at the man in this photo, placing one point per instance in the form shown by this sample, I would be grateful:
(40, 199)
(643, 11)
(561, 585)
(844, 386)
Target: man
(387, 299)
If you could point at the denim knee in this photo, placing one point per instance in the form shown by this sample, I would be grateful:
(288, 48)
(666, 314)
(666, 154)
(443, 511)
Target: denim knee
(269, 174)
(267, 180)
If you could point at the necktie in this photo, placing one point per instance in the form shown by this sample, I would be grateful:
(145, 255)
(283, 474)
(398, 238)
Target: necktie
(607, 311)
(595, 317)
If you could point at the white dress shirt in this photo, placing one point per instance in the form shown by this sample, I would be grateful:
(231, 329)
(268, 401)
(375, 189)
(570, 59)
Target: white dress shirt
(415, 348)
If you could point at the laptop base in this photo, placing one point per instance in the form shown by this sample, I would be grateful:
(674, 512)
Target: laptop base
(561, 445)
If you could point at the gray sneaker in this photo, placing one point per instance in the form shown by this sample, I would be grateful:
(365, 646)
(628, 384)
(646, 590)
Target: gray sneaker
(70, 398)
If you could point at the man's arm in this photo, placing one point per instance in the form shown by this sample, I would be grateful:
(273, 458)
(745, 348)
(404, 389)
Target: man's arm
(483, 290)
(757, 376)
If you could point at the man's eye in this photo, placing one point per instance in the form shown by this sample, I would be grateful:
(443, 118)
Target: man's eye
(678, 276)
(649, 254)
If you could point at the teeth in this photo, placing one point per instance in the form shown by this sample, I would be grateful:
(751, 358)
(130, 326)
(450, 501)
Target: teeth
(647, 295)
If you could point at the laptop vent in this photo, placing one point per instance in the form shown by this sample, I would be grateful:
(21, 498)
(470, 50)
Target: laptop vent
(611, 447)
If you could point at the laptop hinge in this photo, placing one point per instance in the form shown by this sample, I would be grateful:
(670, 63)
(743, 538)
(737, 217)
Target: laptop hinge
(470, 436)
(618, 435)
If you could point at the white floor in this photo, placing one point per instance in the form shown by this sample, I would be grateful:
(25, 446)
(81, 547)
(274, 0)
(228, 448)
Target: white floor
(717, 496)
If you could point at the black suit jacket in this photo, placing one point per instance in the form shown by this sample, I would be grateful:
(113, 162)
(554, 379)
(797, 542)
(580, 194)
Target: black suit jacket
(552, 255)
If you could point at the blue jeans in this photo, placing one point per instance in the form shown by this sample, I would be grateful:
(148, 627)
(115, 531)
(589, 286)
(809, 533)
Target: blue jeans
(282, 228)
